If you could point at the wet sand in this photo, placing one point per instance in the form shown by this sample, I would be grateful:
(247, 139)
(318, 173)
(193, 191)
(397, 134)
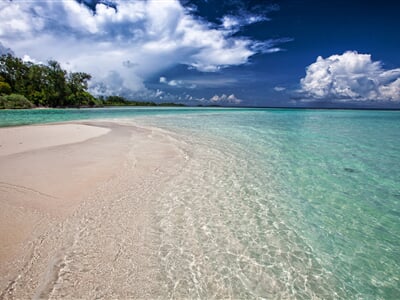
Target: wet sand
(77, 209)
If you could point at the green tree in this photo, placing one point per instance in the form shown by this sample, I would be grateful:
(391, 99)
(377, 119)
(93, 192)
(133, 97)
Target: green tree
(37, 87)
(44, 85)
(56, 84)
(14, 72)
(14, 101)
(78, 85)
(5, 88)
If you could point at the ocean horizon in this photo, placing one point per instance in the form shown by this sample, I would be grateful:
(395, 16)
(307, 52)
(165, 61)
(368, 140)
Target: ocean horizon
(272, 203)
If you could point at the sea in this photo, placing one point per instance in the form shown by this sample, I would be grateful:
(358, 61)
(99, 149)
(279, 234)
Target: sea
(273, 203)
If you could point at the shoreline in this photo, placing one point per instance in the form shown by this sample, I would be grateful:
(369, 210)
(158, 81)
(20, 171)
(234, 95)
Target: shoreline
(61, 187)
(377, 108)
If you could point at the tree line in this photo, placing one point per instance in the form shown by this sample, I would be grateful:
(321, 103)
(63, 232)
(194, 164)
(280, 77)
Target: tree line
(43, 85)
(26, 84)
(121, 101)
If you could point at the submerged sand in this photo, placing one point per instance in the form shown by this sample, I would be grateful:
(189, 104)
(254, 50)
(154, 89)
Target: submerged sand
(77, 216)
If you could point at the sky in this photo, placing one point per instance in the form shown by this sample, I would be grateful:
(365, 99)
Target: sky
(297, 53)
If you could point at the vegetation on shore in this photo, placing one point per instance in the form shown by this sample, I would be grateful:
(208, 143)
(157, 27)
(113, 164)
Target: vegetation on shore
(27, 85)
(14, 101)
(121, 101)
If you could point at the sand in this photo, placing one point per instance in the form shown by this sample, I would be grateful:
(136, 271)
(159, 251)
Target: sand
(77, 215)
(20, 139)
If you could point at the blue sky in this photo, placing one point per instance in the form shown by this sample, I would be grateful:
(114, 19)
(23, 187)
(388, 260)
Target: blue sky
(234, 52)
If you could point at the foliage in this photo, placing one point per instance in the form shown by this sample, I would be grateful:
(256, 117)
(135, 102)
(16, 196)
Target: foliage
(51, 86)
(170, 104)
(45, 85)
(14, 101)
(5, 88)
(121, 101)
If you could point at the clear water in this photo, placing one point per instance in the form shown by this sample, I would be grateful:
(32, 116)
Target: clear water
(274, 203)
(28, 116)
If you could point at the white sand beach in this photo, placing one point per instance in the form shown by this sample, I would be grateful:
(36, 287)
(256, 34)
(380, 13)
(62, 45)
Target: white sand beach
(76, 217)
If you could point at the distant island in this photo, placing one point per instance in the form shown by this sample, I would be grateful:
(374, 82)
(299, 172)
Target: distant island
(121, 101)
(28, 85)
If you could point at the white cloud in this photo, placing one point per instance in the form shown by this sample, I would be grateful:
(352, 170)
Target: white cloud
(26, 58)
(4, 50)
(159, 93)
(234, 23)
(225, 99)
(246, 16)
(350, 76)
(213, 81)
(177, 83)
(126, 45)
(279, 88)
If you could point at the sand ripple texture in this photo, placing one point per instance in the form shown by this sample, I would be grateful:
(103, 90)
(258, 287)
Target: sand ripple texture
(223, 235)
(108, 248)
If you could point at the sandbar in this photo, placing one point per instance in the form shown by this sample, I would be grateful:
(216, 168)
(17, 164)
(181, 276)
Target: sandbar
(26, 138)
(72, 197)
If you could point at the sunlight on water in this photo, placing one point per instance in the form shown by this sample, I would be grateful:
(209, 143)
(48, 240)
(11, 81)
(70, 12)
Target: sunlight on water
(284, 204)
(276, 203)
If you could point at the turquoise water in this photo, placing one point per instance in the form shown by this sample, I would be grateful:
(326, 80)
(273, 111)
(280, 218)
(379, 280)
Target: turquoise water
(28, 116)
(274, 203)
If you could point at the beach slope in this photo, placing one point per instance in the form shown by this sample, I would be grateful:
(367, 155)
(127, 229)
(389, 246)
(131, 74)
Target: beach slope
(76, 214)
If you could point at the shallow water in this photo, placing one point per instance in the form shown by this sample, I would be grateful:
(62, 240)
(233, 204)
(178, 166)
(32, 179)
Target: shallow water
(276, 203)
(284, 204)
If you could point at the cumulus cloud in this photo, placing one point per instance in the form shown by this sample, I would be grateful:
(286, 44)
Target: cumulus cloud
(122, 43)
(26, 58)
(177, 83)
(351, 77)
(225, 99)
